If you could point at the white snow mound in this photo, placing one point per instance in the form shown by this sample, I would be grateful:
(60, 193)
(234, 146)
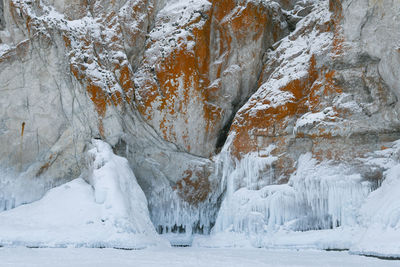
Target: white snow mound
(110, 213)
(381, 218)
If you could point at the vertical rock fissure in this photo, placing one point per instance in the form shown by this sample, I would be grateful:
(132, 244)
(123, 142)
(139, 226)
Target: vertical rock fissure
(223, 134)
(2, 20)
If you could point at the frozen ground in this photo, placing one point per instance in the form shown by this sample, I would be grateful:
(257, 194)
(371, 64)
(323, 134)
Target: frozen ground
(77, 257)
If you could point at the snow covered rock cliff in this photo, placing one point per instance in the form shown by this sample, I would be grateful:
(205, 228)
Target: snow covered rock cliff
(246, 116)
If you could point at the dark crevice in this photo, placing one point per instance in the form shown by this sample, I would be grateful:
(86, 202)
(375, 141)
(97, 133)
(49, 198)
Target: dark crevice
(336, 249)
(122, 248)
(2, 20)
(223, 133)
(292, 21)
(391, 258)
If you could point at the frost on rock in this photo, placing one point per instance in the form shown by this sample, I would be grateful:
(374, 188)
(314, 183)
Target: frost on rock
(111, 211)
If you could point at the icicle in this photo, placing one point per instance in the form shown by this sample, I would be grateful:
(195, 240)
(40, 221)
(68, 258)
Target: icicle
(316, 197)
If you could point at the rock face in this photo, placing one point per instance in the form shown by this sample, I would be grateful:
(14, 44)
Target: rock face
(202, 60)
(319, 92)
(326, 91)
(169, 83)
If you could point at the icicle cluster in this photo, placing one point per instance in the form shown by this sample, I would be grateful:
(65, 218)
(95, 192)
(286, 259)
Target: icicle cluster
(316, 197)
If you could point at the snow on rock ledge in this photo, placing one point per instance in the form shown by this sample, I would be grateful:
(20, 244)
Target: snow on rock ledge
(112, 213)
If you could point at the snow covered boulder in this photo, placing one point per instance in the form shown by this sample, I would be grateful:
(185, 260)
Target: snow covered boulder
(111, 213)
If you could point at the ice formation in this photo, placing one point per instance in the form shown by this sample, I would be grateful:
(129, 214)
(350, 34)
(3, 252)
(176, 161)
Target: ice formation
(109, 211)
(318, 196)
(301, 96)
(323, 206)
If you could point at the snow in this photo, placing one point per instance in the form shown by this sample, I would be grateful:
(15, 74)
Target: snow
(293, 56)
(111, 211)
(324, 206)
(313, 118)
(173, 257)
(78, 32)
(16, 190)
(3, 49)
(381, 218)
(332, 239)
(174, 25)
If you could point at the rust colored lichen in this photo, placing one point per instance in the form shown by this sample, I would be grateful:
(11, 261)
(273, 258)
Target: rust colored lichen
(52, 158)
(194, 187)
(273, 119)
(22, 128)
(175, 82)
(102, 93)
(268, 125)
(335, 6)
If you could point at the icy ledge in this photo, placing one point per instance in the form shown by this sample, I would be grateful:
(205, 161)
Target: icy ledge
(111, 211)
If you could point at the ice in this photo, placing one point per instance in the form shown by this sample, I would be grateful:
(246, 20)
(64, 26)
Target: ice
(318, 196)
(325, 205)
(111, 211)
(17, 189)
(173, 257)
(332, 194)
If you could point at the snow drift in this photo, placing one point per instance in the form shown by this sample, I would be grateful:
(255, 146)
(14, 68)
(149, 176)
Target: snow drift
(111, 211)
(381, 219)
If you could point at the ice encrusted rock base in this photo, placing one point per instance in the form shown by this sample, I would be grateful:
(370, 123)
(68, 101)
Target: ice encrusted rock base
(111, 211)
(324, 206)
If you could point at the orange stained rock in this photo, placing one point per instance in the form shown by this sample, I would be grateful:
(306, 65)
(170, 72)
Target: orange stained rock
(22, 128)
(194, 187)
(276, 118)
(189, 70)
(222, 8)
(180, 79)
(253, 18)
(98, 92)
(310, 94)
(335, 6)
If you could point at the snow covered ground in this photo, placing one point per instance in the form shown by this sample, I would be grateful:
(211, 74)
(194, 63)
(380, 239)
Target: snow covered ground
(25, 257)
